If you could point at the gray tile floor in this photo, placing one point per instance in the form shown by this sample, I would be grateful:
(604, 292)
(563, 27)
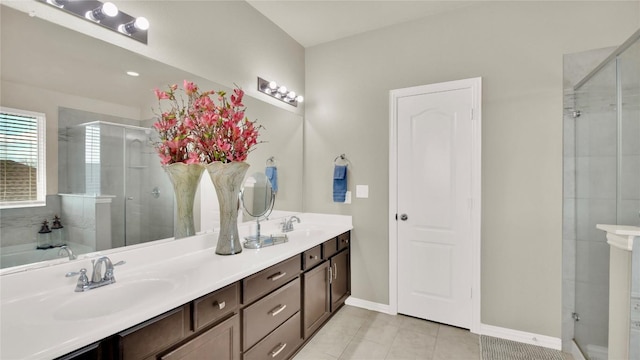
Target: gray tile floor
(355, 333)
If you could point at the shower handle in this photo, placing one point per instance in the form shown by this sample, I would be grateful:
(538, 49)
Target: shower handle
(155, 192)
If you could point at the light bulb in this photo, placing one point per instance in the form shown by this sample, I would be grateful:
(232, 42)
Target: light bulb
(99, 13)
(273, 85)
(282, 90)
(300, 98)
(141, 23)
(110, 9)
(291, 95)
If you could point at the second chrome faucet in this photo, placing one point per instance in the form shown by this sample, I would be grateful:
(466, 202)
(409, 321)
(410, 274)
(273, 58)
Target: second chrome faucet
(97, 279)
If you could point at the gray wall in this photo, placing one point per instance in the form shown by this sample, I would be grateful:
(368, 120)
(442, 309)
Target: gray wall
(517, 48)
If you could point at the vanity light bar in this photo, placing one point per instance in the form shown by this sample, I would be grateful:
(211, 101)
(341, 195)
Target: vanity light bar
(279, 92)
(105, 14)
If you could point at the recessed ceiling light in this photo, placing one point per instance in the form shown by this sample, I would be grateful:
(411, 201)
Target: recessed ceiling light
(132, 73)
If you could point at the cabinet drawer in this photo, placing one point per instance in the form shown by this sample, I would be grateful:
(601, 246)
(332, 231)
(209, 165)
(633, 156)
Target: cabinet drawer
(329, 248)
(221, 342)
(280, 344)
(265, 281)
(154, 335)
(267, 314)
(312, 257)
(343, 241)
(216, 305)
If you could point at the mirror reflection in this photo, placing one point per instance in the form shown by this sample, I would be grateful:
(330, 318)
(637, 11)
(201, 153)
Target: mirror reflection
(103, 179)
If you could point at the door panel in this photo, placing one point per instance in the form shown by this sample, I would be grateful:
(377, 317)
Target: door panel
(434, 190)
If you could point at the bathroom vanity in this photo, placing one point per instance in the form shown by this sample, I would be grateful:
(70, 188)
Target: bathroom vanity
(178, 300)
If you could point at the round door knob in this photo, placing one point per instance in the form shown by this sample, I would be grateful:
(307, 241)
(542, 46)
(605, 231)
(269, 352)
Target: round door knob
(404, 217)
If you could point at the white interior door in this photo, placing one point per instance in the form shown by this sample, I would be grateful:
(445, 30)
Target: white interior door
(434, 195)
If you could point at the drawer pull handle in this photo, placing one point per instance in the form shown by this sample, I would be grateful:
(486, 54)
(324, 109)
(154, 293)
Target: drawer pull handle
(330, 275)
(278, 349)
(313, 257)
(277, 276)
(277, 310)
(335, 271)
(220, 305)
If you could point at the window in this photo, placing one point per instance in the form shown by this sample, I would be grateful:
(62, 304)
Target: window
(22, 158)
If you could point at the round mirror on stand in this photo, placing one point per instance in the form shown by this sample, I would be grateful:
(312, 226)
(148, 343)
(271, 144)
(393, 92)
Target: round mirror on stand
(257, 198)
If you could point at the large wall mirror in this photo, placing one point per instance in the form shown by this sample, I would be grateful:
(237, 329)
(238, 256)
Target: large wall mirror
(98, 122)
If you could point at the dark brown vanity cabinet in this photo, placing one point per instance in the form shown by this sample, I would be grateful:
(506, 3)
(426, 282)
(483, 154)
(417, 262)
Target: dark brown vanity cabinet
(206, 328)
(327, 285)
(267, 315)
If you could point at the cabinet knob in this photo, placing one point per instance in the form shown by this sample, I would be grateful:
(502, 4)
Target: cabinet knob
(220, 305)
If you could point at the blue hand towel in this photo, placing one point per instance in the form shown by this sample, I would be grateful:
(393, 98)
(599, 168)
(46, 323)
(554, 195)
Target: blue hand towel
(272, 175)
(339, 183)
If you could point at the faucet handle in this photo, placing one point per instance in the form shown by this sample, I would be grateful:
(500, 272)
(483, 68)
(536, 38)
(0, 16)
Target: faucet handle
(83, 281)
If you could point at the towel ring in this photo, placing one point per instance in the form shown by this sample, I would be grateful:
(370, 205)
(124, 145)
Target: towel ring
(341, 157)
(271, 161)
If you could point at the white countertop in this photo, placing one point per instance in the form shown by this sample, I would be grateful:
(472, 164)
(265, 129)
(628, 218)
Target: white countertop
(42, 317)
(620, 236)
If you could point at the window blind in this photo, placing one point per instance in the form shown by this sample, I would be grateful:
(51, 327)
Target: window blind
(21, 158)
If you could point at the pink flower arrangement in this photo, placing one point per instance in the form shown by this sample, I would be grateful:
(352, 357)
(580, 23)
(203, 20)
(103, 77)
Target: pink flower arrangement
(202, 131)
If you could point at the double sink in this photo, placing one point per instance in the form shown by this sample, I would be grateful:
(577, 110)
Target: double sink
(42, 303)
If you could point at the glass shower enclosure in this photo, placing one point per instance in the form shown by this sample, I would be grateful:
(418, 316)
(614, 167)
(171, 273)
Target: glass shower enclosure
(117, 162)
(607, 183)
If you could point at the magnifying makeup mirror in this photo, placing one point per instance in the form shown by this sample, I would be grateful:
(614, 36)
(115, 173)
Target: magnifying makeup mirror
(257, 199)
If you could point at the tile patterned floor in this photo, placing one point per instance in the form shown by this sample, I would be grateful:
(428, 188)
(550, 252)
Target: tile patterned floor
(355, 333)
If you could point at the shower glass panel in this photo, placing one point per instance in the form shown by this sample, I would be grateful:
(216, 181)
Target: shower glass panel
(629, 165)
(596, 147)
(607, 186)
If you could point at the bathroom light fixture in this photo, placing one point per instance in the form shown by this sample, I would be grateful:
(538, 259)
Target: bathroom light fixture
(279, 92)
(106, 15)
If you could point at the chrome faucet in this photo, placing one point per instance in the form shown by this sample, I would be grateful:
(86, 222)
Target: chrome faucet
(287, 225)
(97, 279)
(66, 250)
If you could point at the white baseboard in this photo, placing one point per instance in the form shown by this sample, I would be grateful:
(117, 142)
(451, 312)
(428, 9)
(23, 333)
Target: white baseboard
(369, 305)
(521, 336)
(575, 352)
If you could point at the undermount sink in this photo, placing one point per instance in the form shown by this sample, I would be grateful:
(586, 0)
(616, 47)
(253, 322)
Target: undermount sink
(110, 299)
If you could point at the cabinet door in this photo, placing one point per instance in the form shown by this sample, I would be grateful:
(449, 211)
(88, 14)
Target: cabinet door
(222, 342)
(340, 284)
(316, 298)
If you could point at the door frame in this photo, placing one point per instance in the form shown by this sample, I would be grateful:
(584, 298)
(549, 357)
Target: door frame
(475, 84)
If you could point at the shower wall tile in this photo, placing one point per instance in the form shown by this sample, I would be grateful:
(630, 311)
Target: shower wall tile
(629, 212)
(569, 223)
(631, 130)
(589, 213)
(569, 266)
(594, 312)
(569, 178)
(630, 177)
(592, 263)
(569, 134)
(596, 177)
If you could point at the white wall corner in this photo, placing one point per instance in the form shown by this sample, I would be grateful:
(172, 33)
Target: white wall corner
(369, 305)
(521, 336)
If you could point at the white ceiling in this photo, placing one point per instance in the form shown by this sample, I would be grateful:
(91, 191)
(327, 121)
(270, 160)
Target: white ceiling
(312, 22)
